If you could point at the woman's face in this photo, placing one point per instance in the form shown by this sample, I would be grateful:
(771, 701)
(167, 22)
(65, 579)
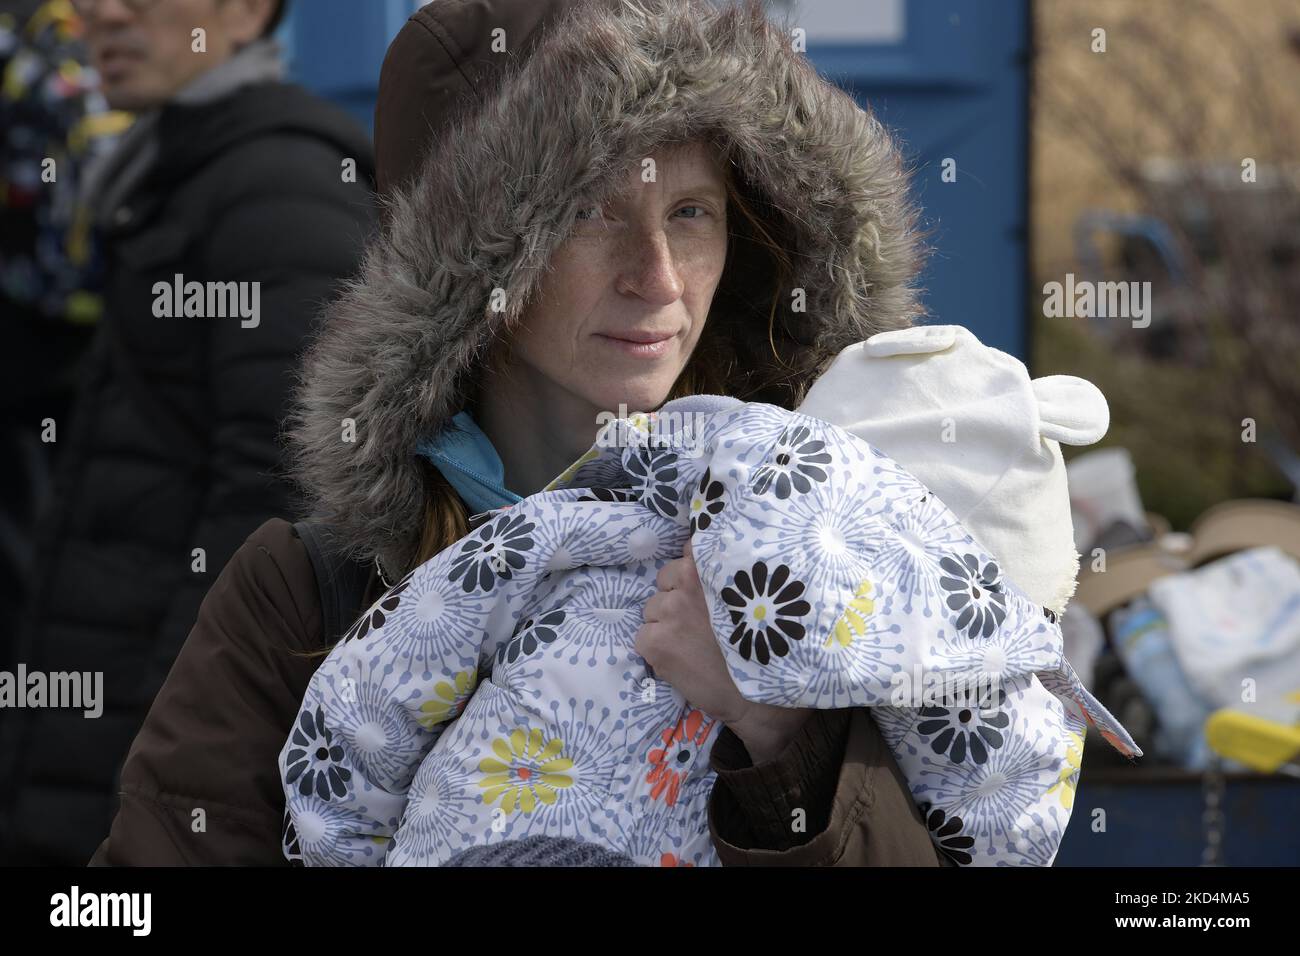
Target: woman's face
(617, 318)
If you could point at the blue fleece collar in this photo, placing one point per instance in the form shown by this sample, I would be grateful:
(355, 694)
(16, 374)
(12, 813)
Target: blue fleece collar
(466, 458)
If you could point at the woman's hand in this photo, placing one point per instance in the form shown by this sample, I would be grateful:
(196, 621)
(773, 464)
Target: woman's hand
(677, 641)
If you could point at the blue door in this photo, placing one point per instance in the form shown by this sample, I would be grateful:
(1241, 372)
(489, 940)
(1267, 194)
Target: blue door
(951, 78)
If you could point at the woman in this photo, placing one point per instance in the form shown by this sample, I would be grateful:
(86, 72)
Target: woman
(661, 199)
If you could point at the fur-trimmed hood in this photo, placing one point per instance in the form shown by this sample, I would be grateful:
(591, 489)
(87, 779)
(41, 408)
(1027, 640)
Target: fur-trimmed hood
(606, 83)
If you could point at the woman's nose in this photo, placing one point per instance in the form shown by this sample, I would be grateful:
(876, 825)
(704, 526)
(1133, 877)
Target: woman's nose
(648, 267)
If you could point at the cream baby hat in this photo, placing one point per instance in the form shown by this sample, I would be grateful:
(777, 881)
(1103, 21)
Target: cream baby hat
(968, 422)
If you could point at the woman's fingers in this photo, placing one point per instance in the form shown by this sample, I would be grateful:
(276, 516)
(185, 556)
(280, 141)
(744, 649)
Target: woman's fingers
(650, 642)
(668, 575)
(678, 644)
(679, 574)
(653, 612)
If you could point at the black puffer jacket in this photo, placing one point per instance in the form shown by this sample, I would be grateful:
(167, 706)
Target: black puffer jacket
(173, 445)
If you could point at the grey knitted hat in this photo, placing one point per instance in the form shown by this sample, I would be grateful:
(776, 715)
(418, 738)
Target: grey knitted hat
(540, 851)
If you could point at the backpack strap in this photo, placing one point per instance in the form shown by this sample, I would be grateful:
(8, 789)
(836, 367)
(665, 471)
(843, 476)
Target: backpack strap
(341, 581)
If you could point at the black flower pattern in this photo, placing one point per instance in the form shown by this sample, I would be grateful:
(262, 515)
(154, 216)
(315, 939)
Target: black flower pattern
(495, 551)
(706, 502)
(964, 732)
(1051, 615)
(974, 594)
(379, 612)
(946, 831)
(315, 761)
(654, 470)
(531, 633)
(289, 841)
(793, 465)
(766, 610)
(609, 494)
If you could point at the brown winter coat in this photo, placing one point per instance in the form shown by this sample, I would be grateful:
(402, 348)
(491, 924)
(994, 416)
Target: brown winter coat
(594, 93)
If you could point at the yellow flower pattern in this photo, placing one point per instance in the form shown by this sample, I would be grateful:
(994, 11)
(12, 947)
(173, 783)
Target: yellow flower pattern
(450, 700)
(853, 622)
(526, 771)
(1069, 778)
(564, 476)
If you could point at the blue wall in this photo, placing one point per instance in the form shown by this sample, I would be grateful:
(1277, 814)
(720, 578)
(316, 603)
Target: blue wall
(336, 47)
(949, 76)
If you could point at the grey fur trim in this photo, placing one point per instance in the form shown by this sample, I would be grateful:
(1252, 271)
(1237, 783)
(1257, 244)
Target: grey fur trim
(604, 86)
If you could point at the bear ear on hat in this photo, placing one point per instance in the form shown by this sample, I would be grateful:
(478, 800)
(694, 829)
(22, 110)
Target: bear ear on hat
(917, 340)
(1071, 410)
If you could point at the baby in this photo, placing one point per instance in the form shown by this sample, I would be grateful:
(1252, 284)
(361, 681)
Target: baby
(901, 542)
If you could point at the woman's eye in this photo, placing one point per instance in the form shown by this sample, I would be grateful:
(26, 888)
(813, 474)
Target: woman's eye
(700, 211)
(588, 214)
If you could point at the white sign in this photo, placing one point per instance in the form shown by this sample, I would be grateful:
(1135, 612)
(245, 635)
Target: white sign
(846, 21)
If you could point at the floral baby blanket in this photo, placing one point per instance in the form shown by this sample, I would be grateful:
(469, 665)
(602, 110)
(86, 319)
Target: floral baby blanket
(494, 691)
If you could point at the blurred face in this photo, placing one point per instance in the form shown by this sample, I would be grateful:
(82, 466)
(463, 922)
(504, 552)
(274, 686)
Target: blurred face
(143, 49)
(618, 317)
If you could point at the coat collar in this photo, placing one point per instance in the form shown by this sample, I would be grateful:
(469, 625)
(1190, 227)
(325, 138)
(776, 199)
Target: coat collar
(465, 456)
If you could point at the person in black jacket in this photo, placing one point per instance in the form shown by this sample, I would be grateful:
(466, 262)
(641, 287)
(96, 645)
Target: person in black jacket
(53, 122)
(228, 214)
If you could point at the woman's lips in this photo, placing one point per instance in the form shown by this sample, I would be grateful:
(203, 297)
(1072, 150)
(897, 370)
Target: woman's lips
(640, 344)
